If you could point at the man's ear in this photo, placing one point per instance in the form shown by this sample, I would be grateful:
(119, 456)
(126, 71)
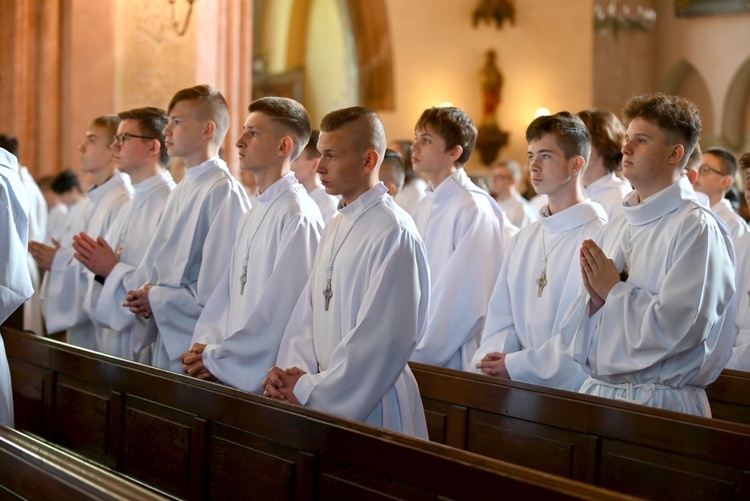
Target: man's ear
(577, 164)
(371, 161)
(209, 129)
(677, 154)
(286, 146)
(692, 176)
(455, 153)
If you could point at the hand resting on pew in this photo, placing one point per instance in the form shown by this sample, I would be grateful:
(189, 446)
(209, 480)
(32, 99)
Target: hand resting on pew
(193, 363)
(280, 384)
(138, 301)
(494, 365)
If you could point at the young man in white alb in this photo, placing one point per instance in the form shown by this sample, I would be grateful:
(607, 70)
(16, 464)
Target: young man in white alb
(193, 242)
(346, 348)
(539, 278)
(741, 351)
(504, 178)
(238, 334)
(715, 176)
(655, 323)
(304, 170)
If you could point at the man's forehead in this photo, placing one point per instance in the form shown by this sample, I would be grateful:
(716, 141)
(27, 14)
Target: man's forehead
(127, 124)
(547, 142)
(333, 140)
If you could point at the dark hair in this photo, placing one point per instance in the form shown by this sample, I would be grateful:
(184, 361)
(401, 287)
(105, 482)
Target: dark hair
(728, 160)
(454, 126)
(108, 122)
(745, 161)
(376, 137)
(9, 143)
(570, 133)
(151, 123)
(212, 106)
(65, 181)
(290, 114)
(311, 148)
(395, 162)
(607, 136)
(678, 117)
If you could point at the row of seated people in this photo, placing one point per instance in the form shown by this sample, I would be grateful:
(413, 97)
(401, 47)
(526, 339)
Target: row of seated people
(270, 303)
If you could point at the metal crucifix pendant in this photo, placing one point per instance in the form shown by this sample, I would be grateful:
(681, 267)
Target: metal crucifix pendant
(243, 280)
(328, 293)
(541, 282)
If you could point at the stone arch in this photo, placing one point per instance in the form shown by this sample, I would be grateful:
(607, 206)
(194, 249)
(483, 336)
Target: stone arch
(734, 125)
(683, 79)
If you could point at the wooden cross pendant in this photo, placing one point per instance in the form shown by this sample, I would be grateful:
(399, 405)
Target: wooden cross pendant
(243, 280)
(328, 293)
(542, 282)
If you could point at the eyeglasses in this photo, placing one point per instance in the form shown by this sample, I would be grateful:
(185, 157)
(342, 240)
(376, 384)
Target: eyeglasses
(705, 169)
(121, 138)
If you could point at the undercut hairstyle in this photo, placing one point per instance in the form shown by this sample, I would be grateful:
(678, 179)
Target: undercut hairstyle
(311, 149)
(109, 123)
(151, 123)
(375, 139)
(694, 160)
(393, 168)
(66, 181)
(211, 106)
(678, 117)
(607, 136)
(290, 114)
(514, 169)
(745, 161)
(9, 143)
(454, 126)
(570, 133)
(728, 160)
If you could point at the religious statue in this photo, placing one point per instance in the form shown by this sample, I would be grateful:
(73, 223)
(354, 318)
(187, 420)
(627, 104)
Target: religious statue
(492, 83)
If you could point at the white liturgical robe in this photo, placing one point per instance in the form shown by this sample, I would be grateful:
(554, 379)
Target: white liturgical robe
(15, 282)
(65, 285)
(245, 317)
(522, 322)
(130, 235)
(518, 210)
(462, 227)
(186, 258)
(32, 309)
(327, 204)
(355, 352)
(667, 331)
(737, 226)
(741, 352)
(609, 192)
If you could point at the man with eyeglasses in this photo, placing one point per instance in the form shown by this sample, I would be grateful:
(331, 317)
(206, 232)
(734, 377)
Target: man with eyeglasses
(138, 151)
(716, 175)
(65, 286)
(504, 178)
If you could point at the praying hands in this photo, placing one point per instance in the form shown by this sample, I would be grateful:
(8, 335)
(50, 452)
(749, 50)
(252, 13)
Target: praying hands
(599, 274)
(193, 363)
(96, 255)
(138, 302)
(280, 384)
(44, 254)
(494, 365)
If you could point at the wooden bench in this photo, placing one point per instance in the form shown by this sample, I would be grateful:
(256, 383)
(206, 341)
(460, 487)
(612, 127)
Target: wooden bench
(617, 445)
(729, 396)
(193, 439)
(33, 469)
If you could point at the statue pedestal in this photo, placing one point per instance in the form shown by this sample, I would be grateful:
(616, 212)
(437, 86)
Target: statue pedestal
(490, 141)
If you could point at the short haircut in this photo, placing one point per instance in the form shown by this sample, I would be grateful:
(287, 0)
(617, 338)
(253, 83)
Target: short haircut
(311, 148)
(10, 143)
(607, 136)
(211, 106)
(745, 161)
(65, 181)
(513, 168)
(678, 117)
(454, 126)
(291, 115)
(151, 123)
(376, 133)
(570, 133)
(394, 168)
(728, 160)
(109, 123)
(45, 183)
(694, 160)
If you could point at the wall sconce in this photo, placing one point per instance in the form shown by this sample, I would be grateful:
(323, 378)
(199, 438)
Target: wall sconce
(498, 11)
(541, 112)
(181, 31)
(644, 19)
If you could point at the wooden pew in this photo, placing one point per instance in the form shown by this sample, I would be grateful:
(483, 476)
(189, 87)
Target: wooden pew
(192, 439)
(729, 396)
(33, 469)
(617, 445)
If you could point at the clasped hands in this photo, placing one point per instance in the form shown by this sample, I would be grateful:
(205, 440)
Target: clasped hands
(192, 363)
(280, 383)
(138, 301)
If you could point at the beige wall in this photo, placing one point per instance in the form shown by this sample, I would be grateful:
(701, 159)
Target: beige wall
(546, 61)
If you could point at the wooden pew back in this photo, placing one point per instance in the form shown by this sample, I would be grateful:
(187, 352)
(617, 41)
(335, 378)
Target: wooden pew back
(620, 446)
(33, 469)
(196, 440)
(729, 397)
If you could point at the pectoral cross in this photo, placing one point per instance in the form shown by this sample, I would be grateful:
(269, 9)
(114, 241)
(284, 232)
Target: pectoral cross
(243, 280)
(328, 293)
(119, 250)
(542, 282)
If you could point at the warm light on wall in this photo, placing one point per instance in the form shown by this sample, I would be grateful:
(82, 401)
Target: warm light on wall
(445, 104)
(540, 112)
